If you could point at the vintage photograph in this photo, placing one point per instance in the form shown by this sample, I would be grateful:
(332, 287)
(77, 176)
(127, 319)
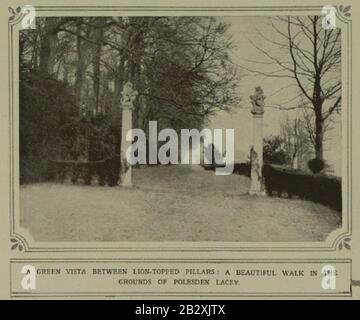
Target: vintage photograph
(180, 128)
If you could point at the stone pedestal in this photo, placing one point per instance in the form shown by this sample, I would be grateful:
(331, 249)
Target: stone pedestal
(127, 105)
(256, 157)
(126, 125)
(256, 152)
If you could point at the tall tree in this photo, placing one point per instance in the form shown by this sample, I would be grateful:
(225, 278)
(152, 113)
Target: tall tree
(96, 60)
(296, 141)
(81, 50)
(312, 61)
(48, 46)
(180, 66)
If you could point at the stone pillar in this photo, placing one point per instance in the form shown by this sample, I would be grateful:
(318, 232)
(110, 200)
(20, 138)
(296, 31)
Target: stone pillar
(127, 105)
(256, 152)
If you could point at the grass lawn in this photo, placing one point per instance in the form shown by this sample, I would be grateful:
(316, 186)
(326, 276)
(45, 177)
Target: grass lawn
(170, 203)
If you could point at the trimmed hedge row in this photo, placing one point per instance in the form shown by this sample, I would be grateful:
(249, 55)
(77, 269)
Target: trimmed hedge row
(107, 171)
(318, 188)
(242, 169)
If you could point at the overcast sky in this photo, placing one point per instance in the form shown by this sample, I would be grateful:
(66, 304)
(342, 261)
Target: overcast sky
(247, 32)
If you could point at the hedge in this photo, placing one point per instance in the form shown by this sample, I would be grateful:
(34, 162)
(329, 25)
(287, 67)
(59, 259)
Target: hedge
(318, 188)
(277, 179)
(107, 171)
(239, 168)
(52, 128)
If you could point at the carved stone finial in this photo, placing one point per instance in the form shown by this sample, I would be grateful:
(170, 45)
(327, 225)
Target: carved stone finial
(128, 94)
(258, 101)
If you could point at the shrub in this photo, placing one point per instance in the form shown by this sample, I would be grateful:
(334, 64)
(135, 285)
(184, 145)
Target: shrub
(107, 171)
(321, 188)
(316, 165)
(274, 151)
(243, 169)
(52, 128)
(46, 105)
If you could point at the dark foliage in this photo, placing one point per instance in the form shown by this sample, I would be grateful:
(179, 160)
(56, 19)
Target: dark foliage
(242, 169)
(107, 171)
(316, 165)
(52, 129)
(318, 188)
(46, 105)
(274, 152)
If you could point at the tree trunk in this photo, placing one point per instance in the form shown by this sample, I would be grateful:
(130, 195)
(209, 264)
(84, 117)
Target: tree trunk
(96, 67)
(319, 121)
(48, 47)
(319, 135)
(80, 67)
(118, 84)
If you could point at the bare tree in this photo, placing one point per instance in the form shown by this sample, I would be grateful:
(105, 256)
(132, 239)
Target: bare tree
(180, 66)
(81, 50)
(296, 140)
(312, 60)
(98, 35)
(49, 42)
